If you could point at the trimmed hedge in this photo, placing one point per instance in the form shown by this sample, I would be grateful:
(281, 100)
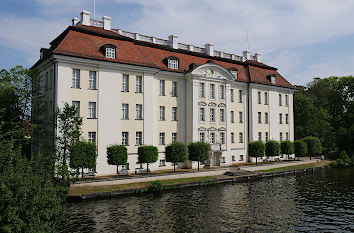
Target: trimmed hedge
(175, 153)
(117, 155)
(314, 146)
(83, 155)
(300, 148)
(287, 148)
(147, 154)
(198, 151)
(256, 149)
(272, 148)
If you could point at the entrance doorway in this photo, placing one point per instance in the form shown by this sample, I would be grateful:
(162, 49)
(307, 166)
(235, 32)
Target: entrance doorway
(216, 157)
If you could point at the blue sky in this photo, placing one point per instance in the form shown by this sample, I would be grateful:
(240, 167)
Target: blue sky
(302, 38)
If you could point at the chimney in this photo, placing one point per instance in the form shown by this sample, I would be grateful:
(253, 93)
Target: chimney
(257, 57)
(246, 55)
(75, 21)
(106, 22)
(85, 18)
(209, 49)
(172, 41)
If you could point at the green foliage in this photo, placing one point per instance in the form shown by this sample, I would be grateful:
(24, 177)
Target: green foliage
(176, 152)
(117, 155)
(287, 147)
(156, 186)
(83, 155)
(198, 151)
(272, 148)
(300, 148)
(29, 200)
(314, 146)
(147, 154)
(343, 161)
(256, 149)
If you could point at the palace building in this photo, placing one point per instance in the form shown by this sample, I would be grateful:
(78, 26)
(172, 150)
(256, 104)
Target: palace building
(134, 89)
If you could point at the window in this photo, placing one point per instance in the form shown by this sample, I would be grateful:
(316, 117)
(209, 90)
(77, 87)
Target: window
(76, 78)
(212, 137)
(125, 136)
(174, 113)
(232, 117)
(173, 64)
(222, 138)
(139, 84)
(233, 158)
(222, 115)
(139, 112)
(265, 98)
(223, 160)
(92, 137)
(259, 98)
(125, 84)
(201, 90)
(125, 111)
(125, 167)
(92, 110)
(286, 118)
(138, 138)
(234, 73)
(174, 137)
(287, 136)
(162, 139)
(212, 91)
(240, 117)
(266, 136)
(174, 88)
(162, 87)
(241, 157)
(212, 115)
(77, 107)
(266, 118)
(232, 95)
(162, 113)
(162, 162)
(240, 137)
(240, 96)
(232, 138)
(110, 53)
(259, 136)
(259, 118)
(286, 101)
(201, 136)
(92, 80)
(280, 103)
(281, 136)
(201, 114)
(222, 92)
(280, 118)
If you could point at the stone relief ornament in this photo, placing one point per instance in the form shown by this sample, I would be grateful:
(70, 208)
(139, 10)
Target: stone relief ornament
(209, 73)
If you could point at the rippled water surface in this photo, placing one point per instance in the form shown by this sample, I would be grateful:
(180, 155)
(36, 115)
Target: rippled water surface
(322, 202)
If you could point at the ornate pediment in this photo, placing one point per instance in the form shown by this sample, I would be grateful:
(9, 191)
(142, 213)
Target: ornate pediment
(209, 73)
(213, 71)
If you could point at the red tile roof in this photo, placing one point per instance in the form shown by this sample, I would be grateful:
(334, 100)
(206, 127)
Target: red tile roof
(86, 42)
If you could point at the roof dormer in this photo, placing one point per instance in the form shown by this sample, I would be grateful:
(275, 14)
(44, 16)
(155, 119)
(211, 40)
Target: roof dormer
(234, 71)
(171, 62)
(271, 78)
(109, 51)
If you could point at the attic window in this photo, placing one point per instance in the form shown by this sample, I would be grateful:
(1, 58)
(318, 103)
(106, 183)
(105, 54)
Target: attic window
(271, 78)
(173, 64)
(110, 53)
(233, 71)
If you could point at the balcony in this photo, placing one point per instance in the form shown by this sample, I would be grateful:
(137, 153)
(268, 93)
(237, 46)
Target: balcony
(218, 147)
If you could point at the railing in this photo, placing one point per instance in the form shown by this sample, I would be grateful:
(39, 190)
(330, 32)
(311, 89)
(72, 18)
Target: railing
(218, 147)
(96, 23)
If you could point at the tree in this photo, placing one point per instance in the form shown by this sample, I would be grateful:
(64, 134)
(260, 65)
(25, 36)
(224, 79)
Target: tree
(256, 149)
(287, 148)
(83, 155)
(300, 148)
(314, 146)
(175, 153)
(272, 148)
(117, 155)
(147, 154)
(198, 151)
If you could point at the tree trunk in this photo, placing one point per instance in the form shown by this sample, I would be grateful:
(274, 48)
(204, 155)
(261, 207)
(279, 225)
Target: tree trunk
(198, 165)
(256, 160)
(174, 167)
(310, 157)
(117, 171)
(147, 168)
(82, 173)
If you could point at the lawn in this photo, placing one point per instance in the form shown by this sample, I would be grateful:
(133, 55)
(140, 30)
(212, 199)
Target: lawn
(281, 169)
(106, 188)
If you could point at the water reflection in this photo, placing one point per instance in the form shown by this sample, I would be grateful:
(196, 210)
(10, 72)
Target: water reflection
(320, 202)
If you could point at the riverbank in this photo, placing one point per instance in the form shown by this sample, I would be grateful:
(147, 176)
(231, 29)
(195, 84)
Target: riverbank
(83, 192)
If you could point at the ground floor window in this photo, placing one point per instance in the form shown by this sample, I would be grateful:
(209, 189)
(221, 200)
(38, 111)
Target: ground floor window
(201, 136)
(223, 160)
(212, 138)
(233, 158)
(241, 157)
(125, 167)
(162, 162)
(92, 137)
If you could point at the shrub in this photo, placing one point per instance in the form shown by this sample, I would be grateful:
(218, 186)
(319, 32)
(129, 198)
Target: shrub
(198, 151)
(176, 152)
(287, 148)
(343, 161)
(117, 155)
(156, 186)
(272, 148)
(300, 148)
(314, 146)
(256, 149)
(147, 154)
(83, 155)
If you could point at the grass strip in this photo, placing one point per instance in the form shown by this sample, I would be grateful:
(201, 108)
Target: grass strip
(282, 169)
(106, 188)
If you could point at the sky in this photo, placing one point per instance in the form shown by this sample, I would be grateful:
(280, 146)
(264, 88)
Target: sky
(304, 39)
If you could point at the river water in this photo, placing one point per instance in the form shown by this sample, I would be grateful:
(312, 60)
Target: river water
(319, 202)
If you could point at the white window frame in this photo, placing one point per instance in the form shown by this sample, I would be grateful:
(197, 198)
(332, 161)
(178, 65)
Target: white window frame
(222, 138)
(259, 118)
(138, 138)
(201, 90)
(92, 137)
(240, 137)
(280, 100)
(174, 113)
(286, 100)
(266, 118)
(139, 112)
(173, 64)
(234, 73)
(266, 98)
(259, 136)
(162, 113)
(240, 117)
(125, 83)
(240, 98)
(162, 87)
(139, 84)
(77, 107)
(212, 114)
(212, 91)
(202, 136)
(266, 136)
(212, 137)
(222, 92)
(174, 88)
(174, 137)
(286, 118)
(280, 118)
(111, 53)
(76, 78)
(92, 80)
(92, 110)
(125, 111)
(162, 139)
(162, 163)
(222, 115)
(201, 114)
(259, 97)
(232, 116)
(125, 138)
